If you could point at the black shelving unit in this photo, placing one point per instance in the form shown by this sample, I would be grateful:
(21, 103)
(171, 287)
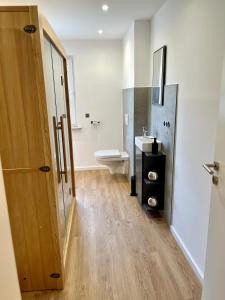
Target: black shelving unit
(145, 188)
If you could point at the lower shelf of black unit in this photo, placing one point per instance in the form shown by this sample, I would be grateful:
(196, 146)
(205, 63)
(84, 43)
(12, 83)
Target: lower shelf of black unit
(148, 208)
(152, 183)
(153, 189)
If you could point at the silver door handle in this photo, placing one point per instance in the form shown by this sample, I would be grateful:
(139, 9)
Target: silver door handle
(209, 167)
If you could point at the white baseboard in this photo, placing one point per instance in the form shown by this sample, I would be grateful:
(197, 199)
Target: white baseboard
(187, 254)
(90, 168)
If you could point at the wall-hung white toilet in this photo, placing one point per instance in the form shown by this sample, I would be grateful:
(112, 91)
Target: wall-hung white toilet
(116, 161)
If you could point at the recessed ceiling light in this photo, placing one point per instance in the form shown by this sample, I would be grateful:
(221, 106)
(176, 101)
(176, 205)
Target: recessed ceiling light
(100, 31)
(105, 7)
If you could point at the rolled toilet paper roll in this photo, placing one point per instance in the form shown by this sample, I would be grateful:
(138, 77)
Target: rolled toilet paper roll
(152, 202)
(153, 176)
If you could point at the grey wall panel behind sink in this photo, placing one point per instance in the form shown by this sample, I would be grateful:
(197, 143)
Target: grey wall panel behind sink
(162, 124)
(135, 104)
(128, 130)
(141, 99)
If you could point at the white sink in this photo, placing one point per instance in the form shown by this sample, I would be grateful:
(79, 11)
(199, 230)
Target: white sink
(144, 143)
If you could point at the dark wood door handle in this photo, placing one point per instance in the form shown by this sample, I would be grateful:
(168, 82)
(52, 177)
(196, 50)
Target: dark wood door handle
(56, 149)
(64, 148)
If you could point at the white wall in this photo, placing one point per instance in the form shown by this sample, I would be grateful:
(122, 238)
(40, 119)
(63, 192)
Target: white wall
(141, 53)
(128, 58)
(194, 32)
(9, 285)
(136, 47)
(98, 83)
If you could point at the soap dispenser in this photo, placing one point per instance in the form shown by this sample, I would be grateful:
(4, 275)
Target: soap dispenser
(155, 146)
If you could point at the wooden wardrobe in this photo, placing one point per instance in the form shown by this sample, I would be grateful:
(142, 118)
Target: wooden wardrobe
(36, 146)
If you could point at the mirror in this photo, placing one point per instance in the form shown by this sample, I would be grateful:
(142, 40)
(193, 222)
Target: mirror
(158, 79)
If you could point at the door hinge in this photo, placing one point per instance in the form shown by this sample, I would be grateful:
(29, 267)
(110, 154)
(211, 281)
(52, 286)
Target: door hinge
(30, 28)
(62, 80)
(45, 169)
(55, 275)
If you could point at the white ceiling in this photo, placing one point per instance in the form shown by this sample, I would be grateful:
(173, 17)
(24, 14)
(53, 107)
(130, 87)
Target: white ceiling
(81, 19)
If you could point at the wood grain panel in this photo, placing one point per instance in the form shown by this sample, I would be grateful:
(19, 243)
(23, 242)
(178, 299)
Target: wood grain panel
(14, 8)
(48, 31)
(69, 127)
(50, 101)
(19, 105)
(24, 145)
(52, 192)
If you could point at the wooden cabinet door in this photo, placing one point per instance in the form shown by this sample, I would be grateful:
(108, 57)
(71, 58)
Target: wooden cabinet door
(64, 132)
(25, 147)
(54, 135)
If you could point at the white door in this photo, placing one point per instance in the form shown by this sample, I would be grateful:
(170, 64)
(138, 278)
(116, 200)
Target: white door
(214, 279)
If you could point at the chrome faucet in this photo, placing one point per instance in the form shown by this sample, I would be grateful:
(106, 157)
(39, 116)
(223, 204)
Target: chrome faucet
(144, 131)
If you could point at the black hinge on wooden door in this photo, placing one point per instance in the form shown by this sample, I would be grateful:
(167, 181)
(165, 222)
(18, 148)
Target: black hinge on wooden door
(45, 169)
(30, 28)
(62, 80)
(55, 275)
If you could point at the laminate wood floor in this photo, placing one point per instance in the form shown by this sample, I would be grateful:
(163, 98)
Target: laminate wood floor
(118, 252)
